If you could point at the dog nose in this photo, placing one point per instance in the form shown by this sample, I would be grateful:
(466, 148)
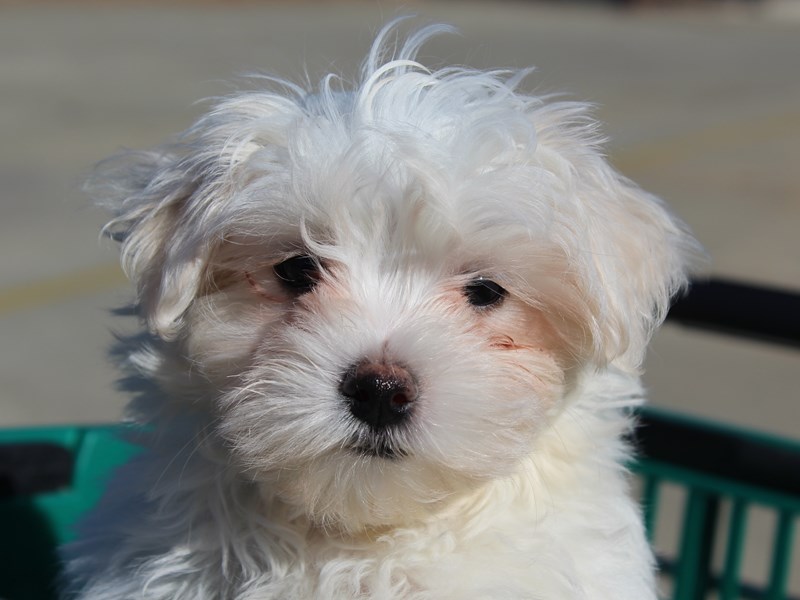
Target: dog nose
(379, 394)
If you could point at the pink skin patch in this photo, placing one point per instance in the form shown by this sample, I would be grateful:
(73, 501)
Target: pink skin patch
(258, 288)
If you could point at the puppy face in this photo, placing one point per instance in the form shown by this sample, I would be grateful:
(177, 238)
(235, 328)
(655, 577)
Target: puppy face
(384, 292)
(383, 346)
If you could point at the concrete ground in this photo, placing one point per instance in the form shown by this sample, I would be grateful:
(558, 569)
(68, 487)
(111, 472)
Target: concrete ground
(702, 107)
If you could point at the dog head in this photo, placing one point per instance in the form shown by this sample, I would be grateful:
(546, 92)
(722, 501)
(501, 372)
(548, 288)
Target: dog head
(386, 291)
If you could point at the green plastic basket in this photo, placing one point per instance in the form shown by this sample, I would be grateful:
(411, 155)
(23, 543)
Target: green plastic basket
(720, 467)
(34, 525)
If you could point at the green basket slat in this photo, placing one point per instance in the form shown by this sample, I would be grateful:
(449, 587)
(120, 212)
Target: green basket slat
(649, 501)
(729, 588)
(699, 525)
(781, 556)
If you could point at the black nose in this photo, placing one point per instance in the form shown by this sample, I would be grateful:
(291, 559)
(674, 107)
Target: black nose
(379, 394)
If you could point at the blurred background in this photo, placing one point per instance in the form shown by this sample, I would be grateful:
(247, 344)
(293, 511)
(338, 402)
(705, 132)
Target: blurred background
(700, 99)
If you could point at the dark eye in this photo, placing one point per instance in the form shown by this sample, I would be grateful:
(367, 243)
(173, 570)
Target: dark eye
(482, 292)
(298, 274)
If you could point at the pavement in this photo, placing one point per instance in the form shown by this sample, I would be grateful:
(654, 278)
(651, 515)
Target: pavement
(702, 107)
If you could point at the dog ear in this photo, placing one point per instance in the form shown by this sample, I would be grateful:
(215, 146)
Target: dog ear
(169, 203)
(149, 193)
(640, 257)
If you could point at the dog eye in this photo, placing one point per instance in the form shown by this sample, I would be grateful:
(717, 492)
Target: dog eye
(482, 292)
(299, 274)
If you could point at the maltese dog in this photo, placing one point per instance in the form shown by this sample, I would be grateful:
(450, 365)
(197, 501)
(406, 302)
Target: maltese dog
(394, 333)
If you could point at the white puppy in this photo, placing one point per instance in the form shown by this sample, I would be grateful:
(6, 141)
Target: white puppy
(394, 339)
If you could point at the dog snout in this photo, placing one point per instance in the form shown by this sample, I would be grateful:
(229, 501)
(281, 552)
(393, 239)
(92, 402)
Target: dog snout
(379, 394)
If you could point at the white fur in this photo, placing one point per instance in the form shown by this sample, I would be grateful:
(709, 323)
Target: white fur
(509, 480)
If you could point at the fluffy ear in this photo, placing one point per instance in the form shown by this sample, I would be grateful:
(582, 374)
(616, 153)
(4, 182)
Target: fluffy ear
(149, 192)
(170, 204)
(640, 257)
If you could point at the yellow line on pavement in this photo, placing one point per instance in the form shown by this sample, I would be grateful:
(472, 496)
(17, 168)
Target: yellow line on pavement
(55, 289)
